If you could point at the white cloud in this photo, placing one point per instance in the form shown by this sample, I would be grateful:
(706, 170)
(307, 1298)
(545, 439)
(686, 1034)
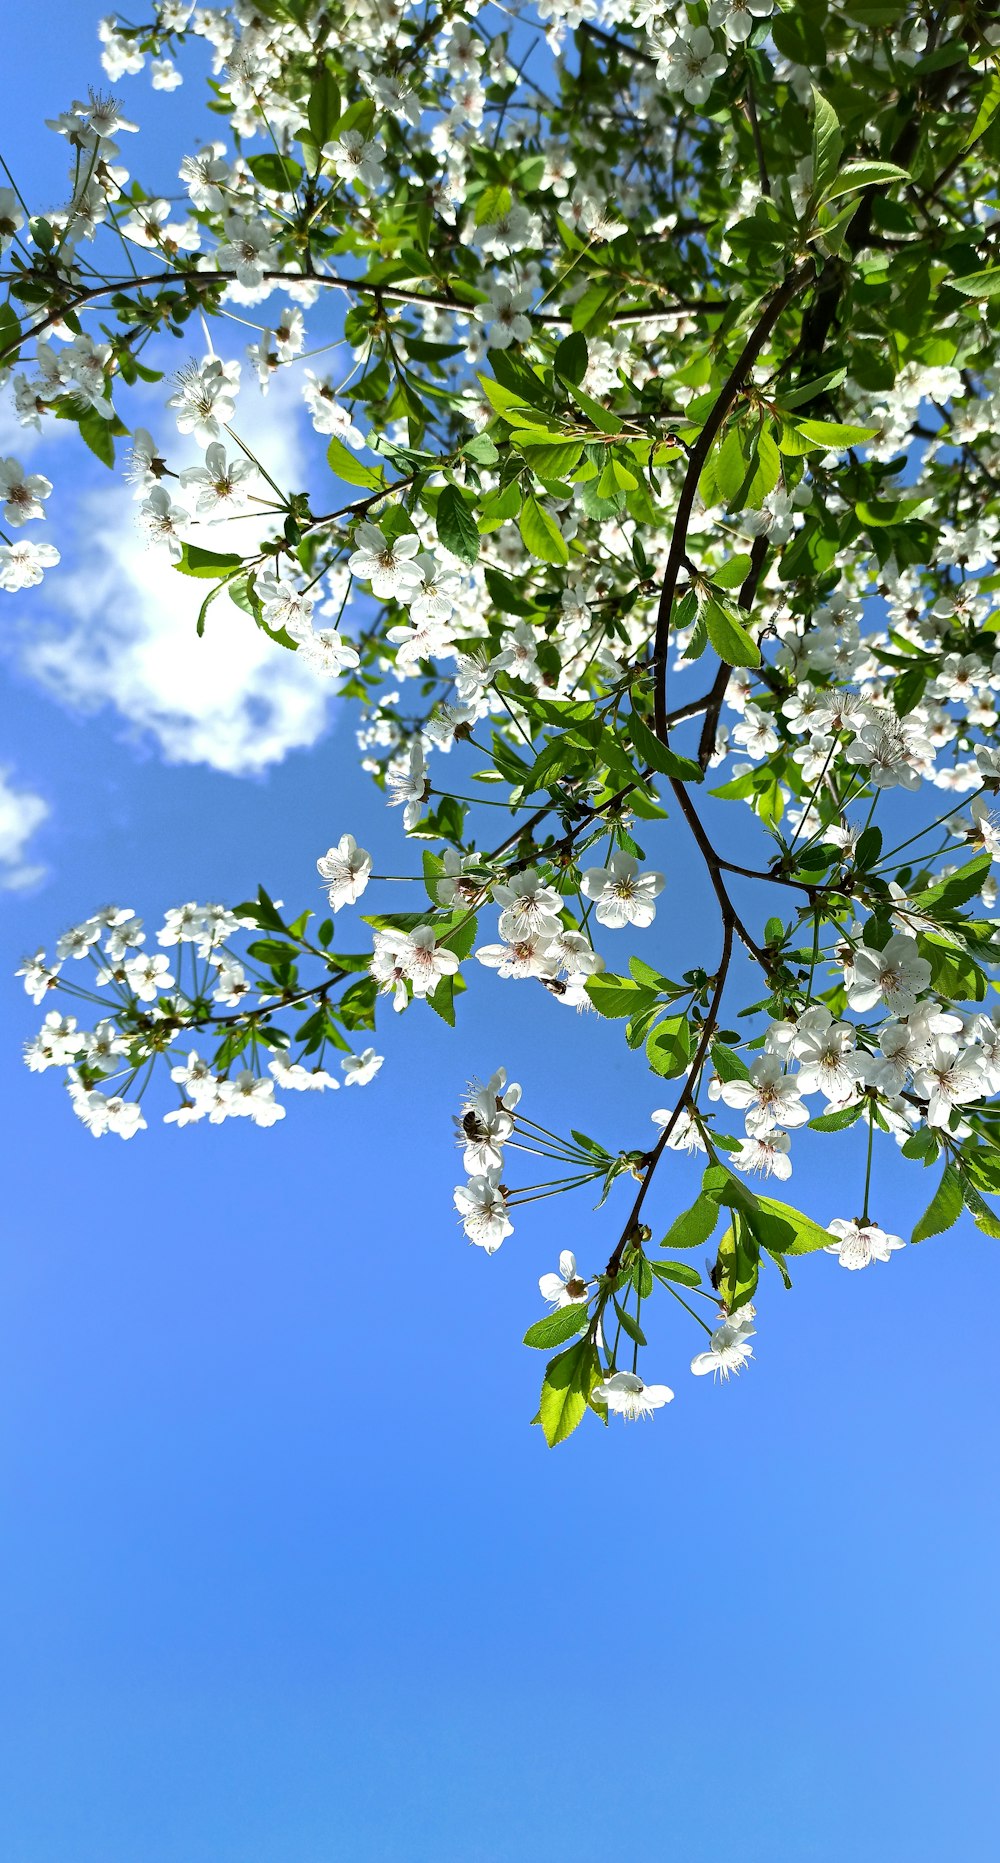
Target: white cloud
(21, 814)
(232, 700)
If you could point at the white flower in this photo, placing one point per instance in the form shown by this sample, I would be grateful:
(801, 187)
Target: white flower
(250, 1097)
(528, 905)
(564, 1289)
(345, 869)
(232, 985)
(770, 1097)
(78, 940)
(359, 1069)
(101, 1114)
(197, 1080)
(419, 957)
(487, 1121)
(292, 1076)
(504, 315)
(897, 974)
(284, 606)
(206, 398)
(685, 1133)
(692, 65)
(824, 1049)
(626, 1394)
(327, 414)
(947, 1079)
(860, 1243)
(57, 1041)
(729, 1347)
(324, 652)
(21, 492)
(249, 251)
(148, 975)
(987, 822)
(767, 1154)
(756, 733)
(389, 567)
(39, 977)
(407, 782)
(164, 74)
(593, 218)
(527, 955)
(160, 517)
(355, 159)
(482, 1205)
(222, 482)
(182, 925)
(11, 219)
(23, 563)
(509, 233)
(624, 895)
(738, 17)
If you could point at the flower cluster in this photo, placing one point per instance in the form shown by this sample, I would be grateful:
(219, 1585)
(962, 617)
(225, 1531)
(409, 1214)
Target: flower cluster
(632, 350)
(150, 1004)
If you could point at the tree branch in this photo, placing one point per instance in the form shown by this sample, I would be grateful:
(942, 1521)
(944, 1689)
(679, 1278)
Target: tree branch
(687, 1093)
(781, 298)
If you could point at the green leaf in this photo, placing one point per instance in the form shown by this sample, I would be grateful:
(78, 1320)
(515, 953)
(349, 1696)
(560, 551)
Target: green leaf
(549, 460)
(733, 573)
(278, 173)
(99, 433)
(482, 450)
(558, 1326)
(541, 534)
(658, 756)
(956, 889)
(10, 332)
(323, 109)
(836, 1122)
(604, 421)
(569, 1380)
(730, 464)
(944, 1209)
(571, 358)
(798, 397)
(676, 1271)
(777, 1226)
(343, 462)
(736, 1268)
(984, 284)
(827, 141)
(983, 1217)
(834, 434)
(668, 1046)
(865, 175)
(694, 1226)
(989, 104)
(728, 1065)
(194, 561)
(509, 402)
(617, 996)
(494, 202)
(731, 641)
(456, 525)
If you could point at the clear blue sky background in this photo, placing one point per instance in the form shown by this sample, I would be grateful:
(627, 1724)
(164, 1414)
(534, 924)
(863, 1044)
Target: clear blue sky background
(287, 1577)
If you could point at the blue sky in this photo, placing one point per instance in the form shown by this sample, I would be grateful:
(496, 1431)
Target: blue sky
(287, 1577)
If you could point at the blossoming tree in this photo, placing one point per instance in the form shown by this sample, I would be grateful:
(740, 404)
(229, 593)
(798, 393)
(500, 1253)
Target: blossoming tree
(656, 353)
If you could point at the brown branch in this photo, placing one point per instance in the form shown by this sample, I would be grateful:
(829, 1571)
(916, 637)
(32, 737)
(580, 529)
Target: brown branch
(687, 1093)
(391, 293)
(747, 596)
(697, 457)
(618, 45)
